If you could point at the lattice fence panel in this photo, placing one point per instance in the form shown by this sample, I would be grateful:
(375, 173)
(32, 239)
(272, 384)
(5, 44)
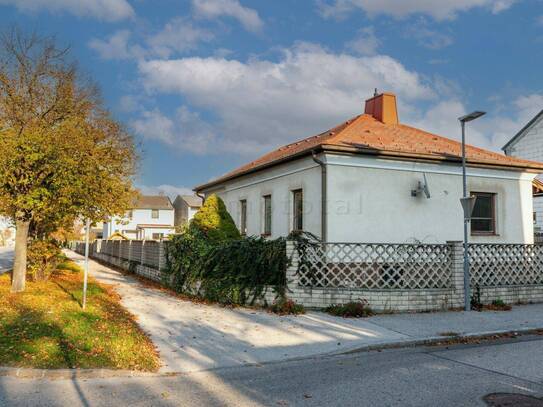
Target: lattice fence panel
(494, 265)
(375, 266)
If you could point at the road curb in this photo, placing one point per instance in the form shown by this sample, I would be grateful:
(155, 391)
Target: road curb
(63, 374)
(434, 340)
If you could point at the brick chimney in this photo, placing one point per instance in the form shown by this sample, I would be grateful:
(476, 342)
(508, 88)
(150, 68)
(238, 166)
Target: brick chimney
(383, 108)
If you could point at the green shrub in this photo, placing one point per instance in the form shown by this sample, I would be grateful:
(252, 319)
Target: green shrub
(214, 221)
(228, 271)
(353, 309)
(43, 257)
(284, 306)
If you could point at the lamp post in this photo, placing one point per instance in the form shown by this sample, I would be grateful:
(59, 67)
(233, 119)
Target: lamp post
(86, 271)
(467, 205)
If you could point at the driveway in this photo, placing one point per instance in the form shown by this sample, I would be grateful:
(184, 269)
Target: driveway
(6, 258)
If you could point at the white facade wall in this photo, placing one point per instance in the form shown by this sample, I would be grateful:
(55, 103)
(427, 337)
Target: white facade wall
(279, 182)
(369, 200)
(128, 227)
(530, 147)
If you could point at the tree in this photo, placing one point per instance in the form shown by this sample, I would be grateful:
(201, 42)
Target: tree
(214, 221)
(62, 155)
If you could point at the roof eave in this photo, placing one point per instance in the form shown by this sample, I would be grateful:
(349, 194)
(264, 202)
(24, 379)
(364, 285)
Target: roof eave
(368, 151)
(521, 131)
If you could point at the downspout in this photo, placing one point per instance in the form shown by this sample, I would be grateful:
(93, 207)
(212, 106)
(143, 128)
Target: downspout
(324, 190)
(202, 197)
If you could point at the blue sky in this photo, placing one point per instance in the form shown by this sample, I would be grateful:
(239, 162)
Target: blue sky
(207, 85)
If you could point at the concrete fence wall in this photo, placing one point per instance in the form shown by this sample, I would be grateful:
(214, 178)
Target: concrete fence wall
(142, 257)
(512, 273)
(391, 277)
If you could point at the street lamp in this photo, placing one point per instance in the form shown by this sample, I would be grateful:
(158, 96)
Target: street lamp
(467, 204)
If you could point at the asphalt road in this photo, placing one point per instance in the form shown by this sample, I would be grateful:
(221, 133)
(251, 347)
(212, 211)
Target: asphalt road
(6, 258)
(458, 376)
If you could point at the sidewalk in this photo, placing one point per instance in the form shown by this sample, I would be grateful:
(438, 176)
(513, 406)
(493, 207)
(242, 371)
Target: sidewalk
(192, 337)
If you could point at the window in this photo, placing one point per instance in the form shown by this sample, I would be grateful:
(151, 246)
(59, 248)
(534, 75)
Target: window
(483, 219)
(243, 217)
(298, 210)
(154, 213)
(267, 215)
(158, 236)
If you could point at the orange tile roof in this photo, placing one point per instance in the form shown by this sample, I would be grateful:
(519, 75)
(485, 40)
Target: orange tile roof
(366, 135)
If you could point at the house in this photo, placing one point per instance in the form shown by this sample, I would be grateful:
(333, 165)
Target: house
(185, 207)
(151, 217)
(528, 144)
(374, 179)
(7, 232)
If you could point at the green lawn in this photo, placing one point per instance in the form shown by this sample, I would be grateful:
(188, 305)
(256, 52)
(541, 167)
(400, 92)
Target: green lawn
(45, 327)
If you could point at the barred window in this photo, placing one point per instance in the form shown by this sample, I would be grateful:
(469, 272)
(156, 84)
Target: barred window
(298, 210)
(243, 217)
(267, 215)
(483, 219)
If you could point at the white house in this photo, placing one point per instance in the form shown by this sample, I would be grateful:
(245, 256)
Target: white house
(185, 207)
(528, 144)
(7, 232)
(363, 180)
(152, 217)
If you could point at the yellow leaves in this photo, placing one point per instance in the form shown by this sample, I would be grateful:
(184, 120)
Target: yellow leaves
(46, 328)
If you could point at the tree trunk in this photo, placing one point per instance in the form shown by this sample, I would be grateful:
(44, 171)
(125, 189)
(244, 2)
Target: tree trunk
(19, 266)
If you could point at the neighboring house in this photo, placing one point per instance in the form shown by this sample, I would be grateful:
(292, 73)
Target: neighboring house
(528, 144)
(151, 217)
(538, 205)
(185, 207)
(363, 180)
(7, 232)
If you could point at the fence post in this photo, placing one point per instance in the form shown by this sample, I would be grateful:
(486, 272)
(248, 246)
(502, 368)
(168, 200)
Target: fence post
(160, 254)
(142, 262)
(457, 273)
(293, 287)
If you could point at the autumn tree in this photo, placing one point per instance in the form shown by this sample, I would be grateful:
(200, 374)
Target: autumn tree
(62, 155)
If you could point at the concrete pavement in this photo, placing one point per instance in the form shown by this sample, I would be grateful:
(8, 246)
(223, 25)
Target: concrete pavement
(426, 376)
(194, 337)
(6, 258)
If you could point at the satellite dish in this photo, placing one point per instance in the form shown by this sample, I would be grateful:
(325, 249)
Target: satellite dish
(422, 188)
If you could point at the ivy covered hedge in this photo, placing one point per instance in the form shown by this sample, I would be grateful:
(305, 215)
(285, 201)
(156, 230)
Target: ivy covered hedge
(211, 260)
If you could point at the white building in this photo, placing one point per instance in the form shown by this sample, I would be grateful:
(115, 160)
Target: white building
(528, 144)
(185, 207)
(152, 217)
(7, 232)
(360, 182)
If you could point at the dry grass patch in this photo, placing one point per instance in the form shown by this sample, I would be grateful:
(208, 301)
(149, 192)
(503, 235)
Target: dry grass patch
(45, 327)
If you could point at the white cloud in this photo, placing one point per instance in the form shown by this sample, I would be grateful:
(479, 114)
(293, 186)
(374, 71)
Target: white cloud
(185, 130)
(178, 35)
(492, 131)
(108, 10)
(169, 190)
(427, 37)
(366, 43)
(116, 46)
(212, 9)
(260, 104)
(440, 10)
